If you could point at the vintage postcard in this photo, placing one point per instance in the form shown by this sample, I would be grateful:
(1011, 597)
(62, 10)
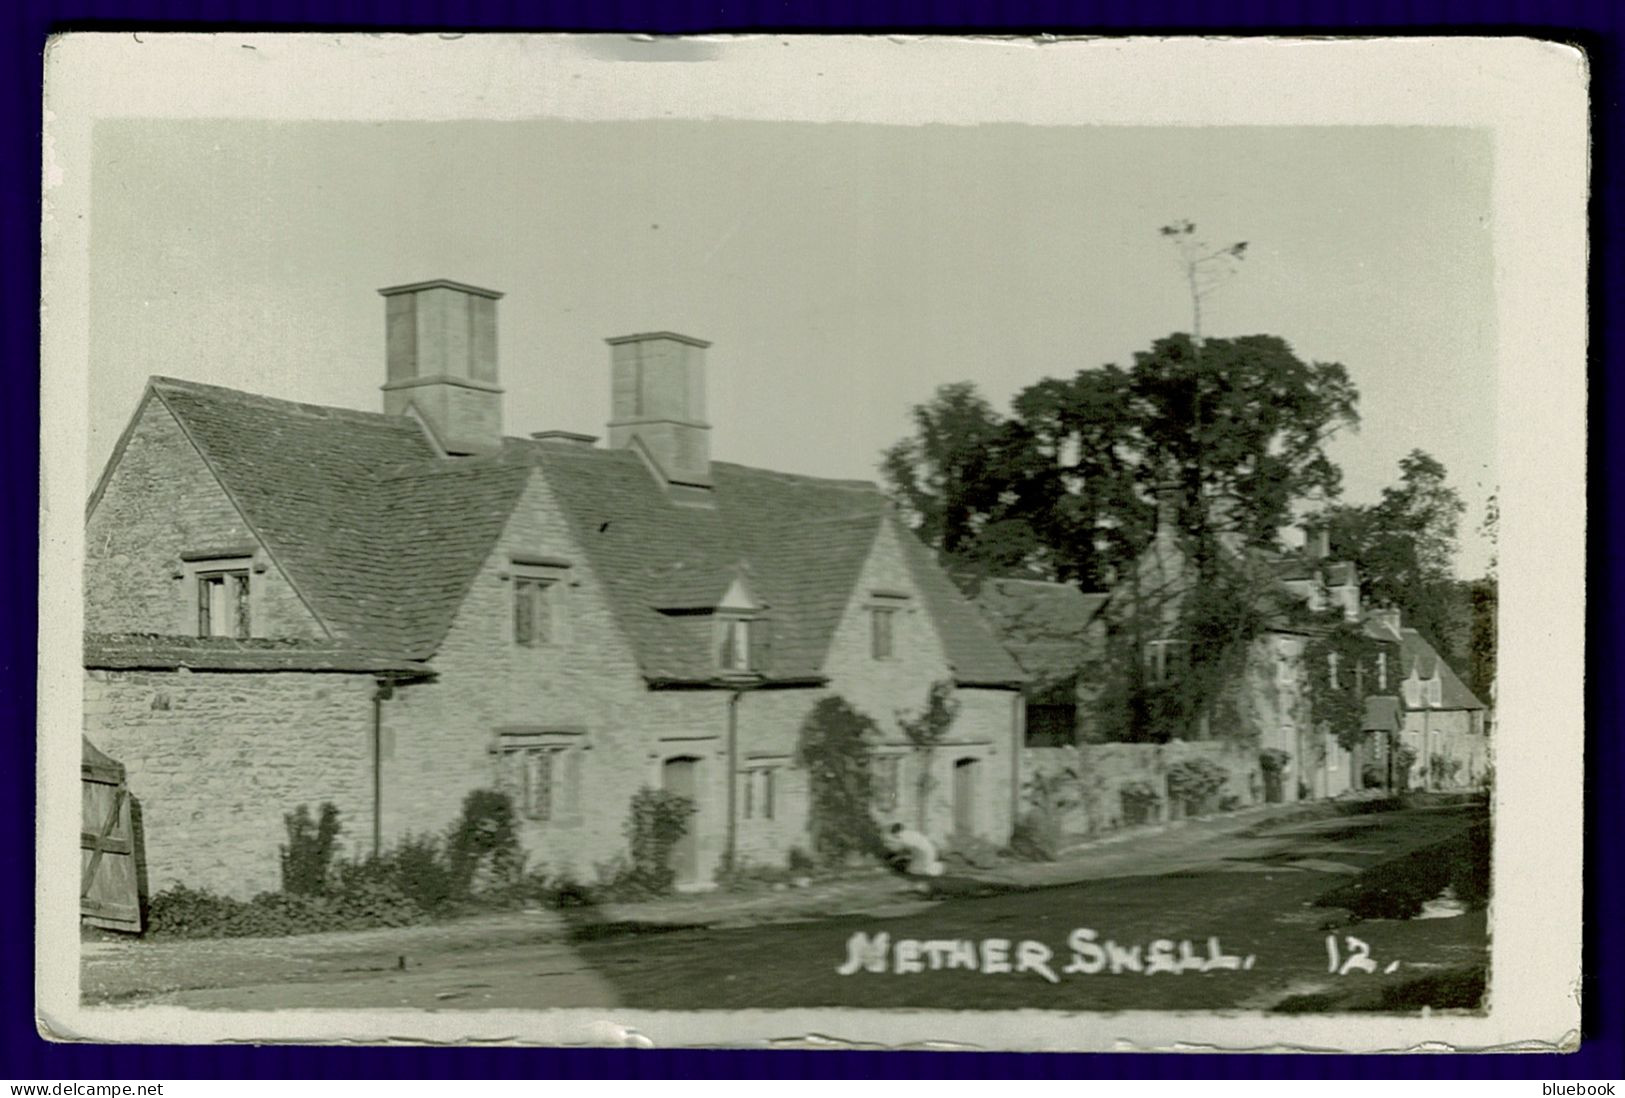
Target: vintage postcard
(1014, 544)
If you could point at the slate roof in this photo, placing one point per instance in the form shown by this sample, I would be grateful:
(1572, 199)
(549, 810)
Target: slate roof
(1052, 629)
(383, 538)
(1418, 655)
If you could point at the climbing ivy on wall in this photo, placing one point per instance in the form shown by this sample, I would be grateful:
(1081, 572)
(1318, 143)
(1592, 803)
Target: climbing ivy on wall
(834, 749)
(1338, 703)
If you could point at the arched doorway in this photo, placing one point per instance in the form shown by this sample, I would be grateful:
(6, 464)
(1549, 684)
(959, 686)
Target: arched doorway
(681, 776)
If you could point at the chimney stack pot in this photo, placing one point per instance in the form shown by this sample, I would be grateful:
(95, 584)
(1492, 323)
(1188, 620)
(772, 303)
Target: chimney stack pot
(441, 354)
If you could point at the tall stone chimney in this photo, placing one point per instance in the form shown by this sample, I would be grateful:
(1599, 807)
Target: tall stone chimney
(441, 342)
(657, 397)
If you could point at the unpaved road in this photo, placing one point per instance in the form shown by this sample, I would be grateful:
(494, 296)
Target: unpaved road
(1250, 896)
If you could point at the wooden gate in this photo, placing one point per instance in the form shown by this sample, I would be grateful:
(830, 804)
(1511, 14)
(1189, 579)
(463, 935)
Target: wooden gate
(109, 882)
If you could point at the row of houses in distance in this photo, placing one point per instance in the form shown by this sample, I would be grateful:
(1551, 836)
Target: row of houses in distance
(289, 604)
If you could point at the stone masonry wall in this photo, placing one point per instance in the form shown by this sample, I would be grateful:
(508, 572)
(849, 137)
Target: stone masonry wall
(216, 759)
(1449, 733)
(440, 736)
(1103, 769)
(984, 733)
(160, 501)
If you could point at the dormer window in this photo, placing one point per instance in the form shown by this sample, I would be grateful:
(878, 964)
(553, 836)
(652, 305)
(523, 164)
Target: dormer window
(538, 595)
(737, 643)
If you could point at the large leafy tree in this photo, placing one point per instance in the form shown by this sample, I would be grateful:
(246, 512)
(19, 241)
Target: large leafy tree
(1064, 486)
(1242, 425)
(1405, 547)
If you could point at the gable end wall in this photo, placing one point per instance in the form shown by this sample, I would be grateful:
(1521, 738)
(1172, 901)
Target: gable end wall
(159, 501)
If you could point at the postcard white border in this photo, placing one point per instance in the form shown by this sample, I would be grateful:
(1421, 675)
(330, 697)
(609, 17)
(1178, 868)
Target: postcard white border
(1531, 95)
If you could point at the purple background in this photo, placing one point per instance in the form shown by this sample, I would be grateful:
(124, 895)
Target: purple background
(24, 26)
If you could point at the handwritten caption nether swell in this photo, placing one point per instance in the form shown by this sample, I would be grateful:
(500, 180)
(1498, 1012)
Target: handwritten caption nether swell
(1090, 956)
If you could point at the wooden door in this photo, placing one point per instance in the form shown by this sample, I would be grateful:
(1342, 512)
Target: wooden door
(966, 772)
(681, 776)
(109, 881)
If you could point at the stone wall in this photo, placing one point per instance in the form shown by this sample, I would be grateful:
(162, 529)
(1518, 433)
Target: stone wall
(232, 753)
(216, 759)
(1453, 734)
(440, 736)
(1095, 775)
(160, 501)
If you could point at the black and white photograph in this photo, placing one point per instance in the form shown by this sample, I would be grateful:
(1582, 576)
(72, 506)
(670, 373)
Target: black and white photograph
(705, 541)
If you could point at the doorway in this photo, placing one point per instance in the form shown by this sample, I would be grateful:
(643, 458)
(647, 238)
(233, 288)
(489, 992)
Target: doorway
(681, 776)
(966, 775)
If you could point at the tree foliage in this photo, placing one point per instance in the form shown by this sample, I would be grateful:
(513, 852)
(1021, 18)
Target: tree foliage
(1064, 486)
(1342, 665)
(1405, 547)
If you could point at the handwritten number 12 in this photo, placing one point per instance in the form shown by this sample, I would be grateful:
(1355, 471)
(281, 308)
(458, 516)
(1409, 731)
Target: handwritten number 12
(1358, 960)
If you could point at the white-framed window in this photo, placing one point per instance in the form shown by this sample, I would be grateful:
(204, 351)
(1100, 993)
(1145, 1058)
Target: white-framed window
(759, 796)
(1164, 661)
(538, 601)
(541, 772)
(883, 617)
(223, 604)
(221, 591)
(886, 780)
(738, 643)
(1413, 692)
(883, 632)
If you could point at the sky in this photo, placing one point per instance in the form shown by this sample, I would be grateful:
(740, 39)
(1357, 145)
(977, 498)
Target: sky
(842, 271)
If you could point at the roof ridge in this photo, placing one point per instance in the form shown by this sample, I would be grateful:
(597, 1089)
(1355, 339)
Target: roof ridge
(281, 404)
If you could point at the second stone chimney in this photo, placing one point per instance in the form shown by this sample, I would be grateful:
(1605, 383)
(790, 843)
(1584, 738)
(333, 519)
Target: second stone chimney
(441, 343)
(657, 399)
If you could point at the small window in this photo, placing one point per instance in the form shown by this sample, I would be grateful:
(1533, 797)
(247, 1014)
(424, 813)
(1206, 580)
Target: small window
(543, 778)
(882, 632)
(760, 793)
(1164, 661)
(1331, 670)
(1436, 691)
(1382, 670)
(223, 604)
(736, 638)
(885, 781)
(538, 594)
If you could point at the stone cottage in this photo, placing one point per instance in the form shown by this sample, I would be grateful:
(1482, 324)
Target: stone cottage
(1440, 717)
(1060, 636)
(1057, 634)
(291, 604)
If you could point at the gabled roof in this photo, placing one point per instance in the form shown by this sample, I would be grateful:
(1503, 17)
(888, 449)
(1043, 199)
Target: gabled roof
(1419, 656)
(383, 538)
(1052, 629)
